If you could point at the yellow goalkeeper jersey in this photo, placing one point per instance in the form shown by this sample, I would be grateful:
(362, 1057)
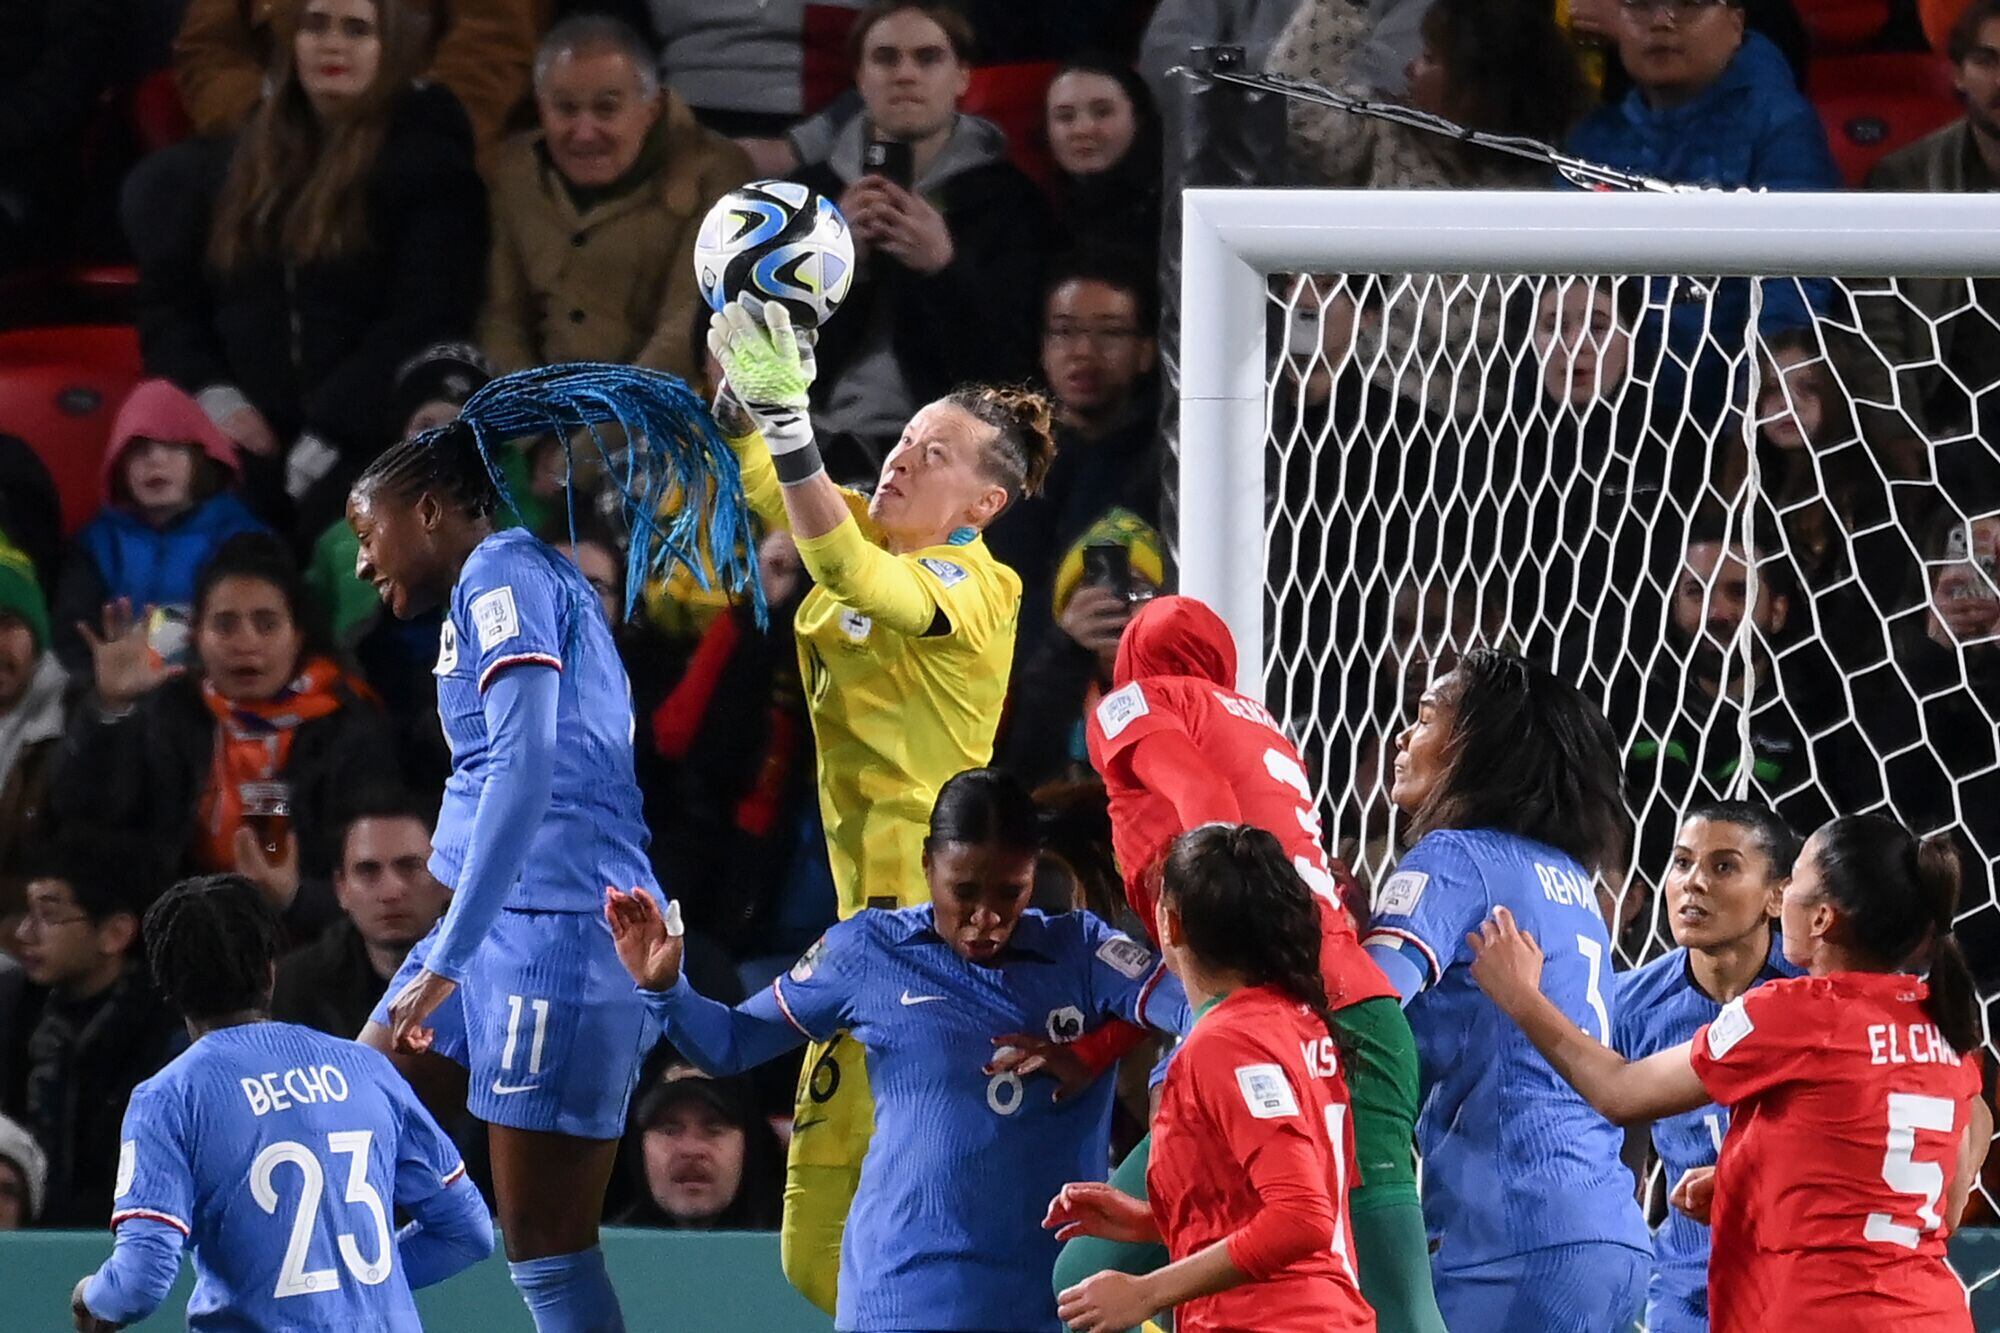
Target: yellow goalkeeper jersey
(897, 710)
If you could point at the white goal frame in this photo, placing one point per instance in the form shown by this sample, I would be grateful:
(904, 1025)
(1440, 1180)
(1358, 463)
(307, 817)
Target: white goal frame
(1232, 240)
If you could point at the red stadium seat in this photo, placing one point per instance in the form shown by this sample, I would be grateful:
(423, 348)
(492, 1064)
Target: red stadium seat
(1872, 105)
(1012, 97)
(59, 390)
(155, 112)
(1843, 25)
(1937, 17)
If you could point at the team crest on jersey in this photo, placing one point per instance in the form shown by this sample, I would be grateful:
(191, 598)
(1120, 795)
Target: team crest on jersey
(494, 617)
(855, 625)
(803, 969)
(1266, 1091)
(1065, 1024)
(1120, 708)
(1400, 893)
(948, 574)
(1126, 956)
(1730, 1026)
(447, 650)
(128, 1166)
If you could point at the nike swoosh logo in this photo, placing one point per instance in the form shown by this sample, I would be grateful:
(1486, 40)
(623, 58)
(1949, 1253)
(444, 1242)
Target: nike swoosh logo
(920, 999)
(504, 1090)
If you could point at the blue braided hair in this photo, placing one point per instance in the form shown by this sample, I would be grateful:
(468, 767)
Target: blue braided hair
(670, 449)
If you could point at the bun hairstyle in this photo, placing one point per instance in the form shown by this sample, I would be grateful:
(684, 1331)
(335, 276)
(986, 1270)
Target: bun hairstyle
(1245, 909)
(985, 807)
(1898, 895)
(1020, 454)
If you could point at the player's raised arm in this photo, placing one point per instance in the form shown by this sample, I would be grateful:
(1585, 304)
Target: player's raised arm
(1507, 965)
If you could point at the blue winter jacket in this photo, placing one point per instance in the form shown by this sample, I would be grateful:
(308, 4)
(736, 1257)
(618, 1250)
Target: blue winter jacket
(158, 567)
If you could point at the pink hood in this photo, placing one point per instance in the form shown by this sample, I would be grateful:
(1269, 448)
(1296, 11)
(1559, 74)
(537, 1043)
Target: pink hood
(158, 410)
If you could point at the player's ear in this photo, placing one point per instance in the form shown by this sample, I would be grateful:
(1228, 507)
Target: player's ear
(1774, 897)
(988, 506)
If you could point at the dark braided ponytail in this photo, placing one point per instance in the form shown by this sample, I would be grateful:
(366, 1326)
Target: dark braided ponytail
(210, 943)
(445, 461)
(1245, 910)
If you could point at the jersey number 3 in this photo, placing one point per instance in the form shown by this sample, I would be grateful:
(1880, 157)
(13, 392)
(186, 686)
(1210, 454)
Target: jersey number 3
(293, 1279)
(1908, 1113)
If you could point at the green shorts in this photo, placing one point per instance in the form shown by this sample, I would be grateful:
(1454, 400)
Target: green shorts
(1382, 1085)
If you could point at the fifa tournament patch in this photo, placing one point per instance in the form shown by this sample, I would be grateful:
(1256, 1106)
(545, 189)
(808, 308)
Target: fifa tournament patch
(803, 969)
(1266, 1092)
(447, 650)
(1400, 892)
(128, 1166)
(855, 625)
(1730, 1026)
(1126, 956)
(494, 617)
(1120, 708)
(948, 574)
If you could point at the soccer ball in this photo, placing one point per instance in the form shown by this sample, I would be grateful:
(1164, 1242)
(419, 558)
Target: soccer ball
(779, 241)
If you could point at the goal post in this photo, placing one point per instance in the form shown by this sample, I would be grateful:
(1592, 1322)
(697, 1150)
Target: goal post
(1724, 459)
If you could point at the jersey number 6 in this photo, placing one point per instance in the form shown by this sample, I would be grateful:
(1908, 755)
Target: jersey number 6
(293, 1279)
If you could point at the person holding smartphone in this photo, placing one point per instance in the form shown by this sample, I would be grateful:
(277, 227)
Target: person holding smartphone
(949, 235)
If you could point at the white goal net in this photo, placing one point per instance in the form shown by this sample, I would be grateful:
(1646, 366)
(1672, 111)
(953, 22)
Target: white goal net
(1755, 517)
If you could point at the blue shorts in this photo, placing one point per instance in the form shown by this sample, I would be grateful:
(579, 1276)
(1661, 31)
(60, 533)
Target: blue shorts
(1562, 1289)
(1676, 1311)
(548, 1024)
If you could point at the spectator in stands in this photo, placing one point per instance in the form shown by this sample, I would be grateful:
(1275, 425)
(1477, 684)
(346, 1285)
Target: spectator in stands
(388, 900)
(1943, 334)
(242, 764)
(34, 693)
(958, 246)
(478, 49)
(56, 59)
(101, 1030)
(169, 504)
(1113, 567)
(1098, 350)
(702, 1157)
(286, 274)
(595, 213)
(24, 1176)
(30, 509)
(1104, 135)
(1497, 65)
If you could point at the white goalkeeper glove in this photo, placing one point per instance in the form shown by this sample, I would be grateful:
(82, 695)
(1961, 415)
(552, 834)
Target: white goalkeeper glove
(770, 371)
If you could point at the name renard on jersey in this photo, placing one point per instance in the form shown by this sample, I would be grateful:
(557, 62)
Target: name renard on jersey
(1565, 887)
(1908, 1044)
(300, 1086)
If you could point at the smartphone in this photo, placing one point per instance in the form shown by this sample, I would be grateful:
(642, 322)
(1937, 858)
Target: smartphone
(893, 161)
(1109, 565)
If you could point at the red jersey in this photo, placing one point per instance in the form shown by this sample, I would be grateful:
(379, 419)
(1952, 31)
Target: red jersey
(1253, 1143)
(1243, 742)
(1847, 1108)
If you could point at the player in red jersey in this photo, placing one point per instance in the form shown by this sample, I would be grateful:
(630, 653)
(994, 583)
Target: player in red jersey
(1178, 747)
(1251, 1165)
(1856, 1123)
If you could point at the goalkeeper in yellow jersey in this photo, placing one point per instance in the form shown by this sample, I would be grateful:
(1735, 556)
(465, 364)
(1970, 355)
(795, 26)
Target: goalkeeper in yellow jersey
(904, 647)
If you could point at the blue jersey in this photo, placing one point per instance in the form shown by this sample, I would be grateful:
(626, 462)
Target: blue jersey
(945, 1232)
(518, 600)
(283, 1155)
(1659, 1007)
(1514, 1159)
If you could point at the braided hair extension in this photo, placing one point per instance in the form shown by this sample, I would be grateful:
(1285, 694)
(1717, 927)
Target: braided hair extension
(210, 944)
(665, 449)
(1245, 909)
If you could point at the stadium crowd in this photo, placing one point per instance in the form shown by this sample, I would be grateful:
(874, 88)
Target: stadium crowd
(360, 212)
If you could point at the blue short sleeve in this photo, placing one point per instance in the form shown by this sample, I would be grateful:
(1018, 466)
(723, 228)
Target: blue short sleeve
(155, 1169)
(1128, 980)
(1428, 906)
(817, 995)
(509, 608)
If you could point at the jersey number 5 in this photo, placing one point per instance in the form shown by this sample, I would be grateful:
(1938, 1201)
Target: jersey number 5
(1908, 1113)
(293, 1279)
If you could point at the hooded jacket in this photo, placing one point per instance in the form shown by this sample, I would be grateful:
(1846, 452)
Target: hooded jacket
(1176, 636)
(973, 320)
(118, 553)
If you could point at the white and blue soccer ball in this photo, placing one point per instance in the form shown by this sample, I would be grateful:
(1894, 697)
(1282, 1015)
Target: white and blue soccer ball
(779, 241)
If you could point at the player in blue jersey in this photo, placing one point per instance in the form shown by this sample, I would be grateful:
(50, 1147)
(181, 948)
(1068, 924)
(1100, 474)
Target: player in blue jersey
(519, 982)
(1724, 886)
(281, 1154)
(945, 1232)
(1510, 780)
